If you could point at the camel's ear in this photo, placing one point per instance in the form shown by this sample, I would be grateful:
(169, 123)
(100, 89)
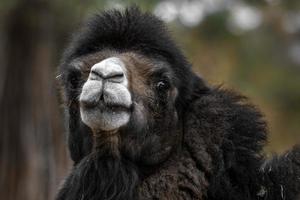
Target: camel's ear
(198, 86)
(194, 89)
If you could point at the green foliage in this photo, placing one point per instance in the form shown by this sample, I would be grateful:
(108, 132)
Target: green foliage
(214, 27)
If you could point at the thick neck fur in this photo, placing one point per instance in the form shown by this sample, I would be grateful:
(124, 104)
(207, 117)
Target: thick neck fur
(106, 174)
(103, 174)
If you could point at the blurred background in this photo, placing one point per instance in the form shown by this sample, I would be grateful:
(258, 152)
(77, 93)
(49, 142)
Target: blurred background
(251, 46)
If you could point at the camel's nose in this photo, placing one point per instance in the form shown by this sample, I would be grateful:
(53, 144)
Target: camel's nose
(107, 84)
(111, 69)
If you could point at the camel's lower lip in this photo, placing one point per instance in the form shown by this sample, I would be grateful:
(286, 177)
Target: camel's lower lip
(106, 117)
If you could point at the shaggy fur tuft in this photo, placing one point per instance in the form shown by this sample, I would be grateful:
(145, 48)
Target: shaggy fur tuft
(101, 177)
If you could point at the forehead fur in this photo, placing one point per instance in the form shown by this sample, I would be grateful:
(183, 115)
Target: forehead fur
(123, 31)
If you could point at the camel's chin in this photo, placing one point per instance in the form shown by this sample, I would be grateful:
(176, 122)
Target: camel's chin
(105, 119)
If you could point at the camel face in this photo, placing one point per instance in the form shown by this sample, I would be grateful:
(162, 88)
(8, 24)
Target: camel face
(129, 96)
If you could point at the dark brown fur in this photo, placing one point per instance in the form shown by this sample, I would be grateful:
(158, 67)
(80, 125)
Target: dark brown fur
(188, 141)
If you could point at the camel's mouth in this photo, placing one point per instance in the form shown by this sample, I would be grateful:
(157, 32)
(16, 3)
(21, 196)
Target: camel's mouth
(104, 107)
(105, 100)
(105, 119)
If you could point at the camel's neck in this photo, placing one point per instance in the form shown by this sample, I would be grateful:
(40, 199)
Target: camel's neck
(101, 176)
(107, 143)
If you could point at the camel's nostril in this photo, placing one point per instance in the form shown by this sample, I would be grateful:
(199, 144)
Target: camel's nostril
(117, 75)
(110, 69)
(95, 73)
(98, 73)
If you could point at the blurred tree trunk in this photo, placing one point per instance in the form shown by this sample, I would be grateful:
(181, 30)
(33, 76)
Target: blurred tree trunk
(33, 153)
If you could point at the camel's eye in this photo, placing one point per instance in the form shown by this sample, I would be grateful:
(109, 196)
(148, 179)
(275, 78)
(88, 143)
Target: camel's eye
(162, 85)
(74, 78)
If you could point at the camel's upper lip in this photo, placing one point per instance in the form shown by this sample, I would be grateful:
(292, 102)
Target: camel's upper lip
(102, 95)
